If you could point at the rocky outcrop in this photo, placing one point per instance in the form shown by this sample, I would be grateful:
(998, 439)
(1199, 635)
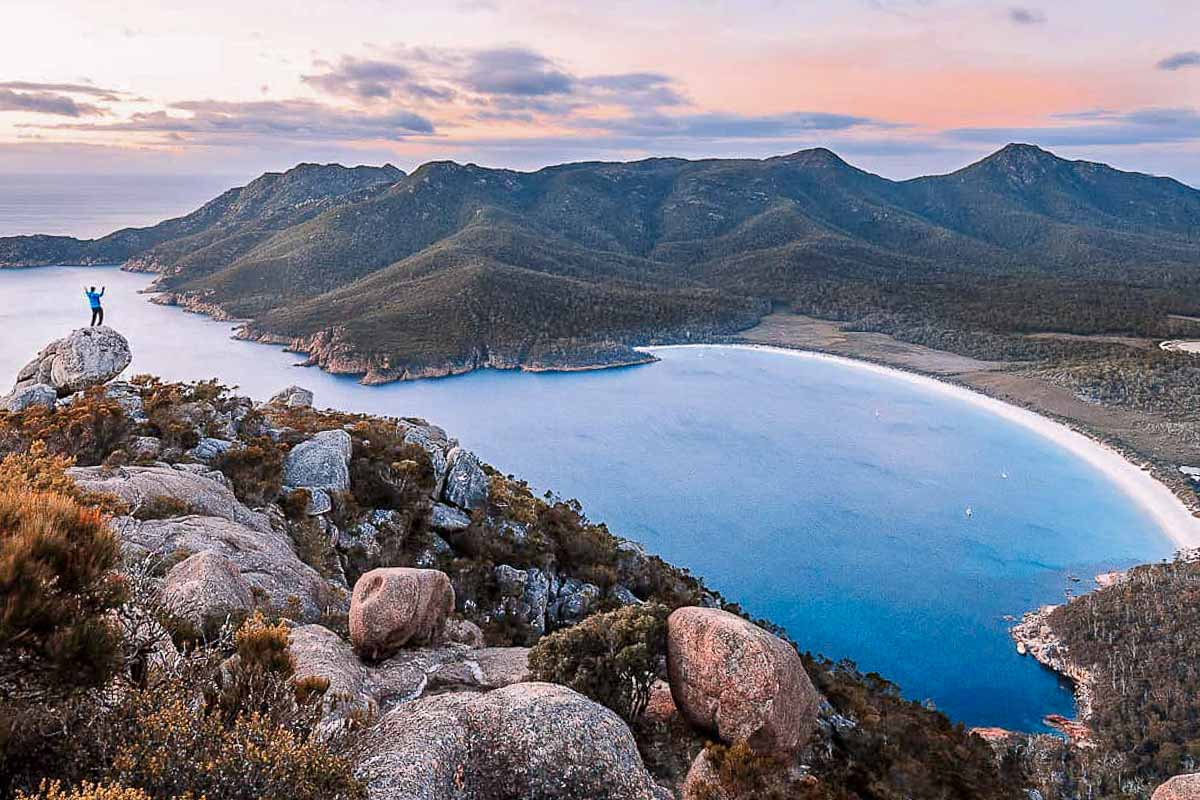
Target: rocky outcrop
(128, 398)
(88, 357)
(293, 397)
(1035, 637)
(264, 558)
(28, 396)
(433, 440)
(525, 595)
(395, 606)
(204, 587)
(1181, 787)
(448, 519)
(357, 689)
(199, 492)
(321, 462)
(209, 449)
(466, 482)
(734, 679)
(534, 741)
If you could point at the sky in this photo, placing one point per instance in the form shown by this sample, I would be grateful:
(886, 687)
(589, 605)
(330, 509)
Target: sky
(899, 87)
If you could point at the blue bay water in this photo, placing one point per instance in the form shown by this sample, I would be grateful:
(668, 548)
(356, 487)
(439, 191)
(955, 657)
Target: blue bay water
(826, 498)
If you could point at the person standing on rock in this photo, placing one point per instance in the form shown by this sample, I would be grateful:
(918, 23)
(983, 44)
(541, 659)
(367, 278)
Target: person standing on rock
(94, 299)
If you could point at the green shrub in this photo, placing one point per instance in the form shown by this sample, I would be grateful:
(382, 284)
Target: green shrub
(613, 658)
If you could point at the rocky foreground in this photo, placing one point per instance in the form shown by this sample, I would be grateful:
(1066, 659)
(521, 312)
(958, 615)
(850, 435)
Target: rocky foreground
(462, 638)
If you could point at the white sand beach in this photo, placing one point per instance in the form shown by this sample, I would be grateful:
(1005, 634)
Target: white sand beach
(1167, 510)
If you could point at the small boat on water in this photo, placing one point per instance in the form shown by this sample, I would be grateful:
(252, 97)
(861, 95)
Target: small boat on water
(968, 512)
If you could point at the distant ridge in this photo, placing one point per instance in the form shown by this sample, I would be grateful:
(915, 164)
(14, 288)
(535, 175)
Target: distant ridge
(459, 266)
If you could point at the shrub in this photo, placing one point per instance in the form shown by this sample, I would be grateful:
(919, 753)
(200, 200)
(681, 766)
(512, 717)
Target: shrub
(224, 722)
(37, 470)
(160, 742)
(385, 472)
(89, 429)
(162, 507)
(738, 773)
(53, 790)
(255, 469)
(56, 587)
(613, 657)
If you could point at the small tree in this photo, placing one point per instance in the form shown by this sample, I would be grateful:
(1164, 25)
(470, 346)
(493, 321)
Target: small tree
(613, 658)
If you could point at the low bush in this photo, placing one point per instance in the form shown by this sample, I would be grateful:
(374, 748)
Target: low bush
(738, 773)
(255, 469)
(613, 658)
(57, 587)
(88, 430)
(53, 790)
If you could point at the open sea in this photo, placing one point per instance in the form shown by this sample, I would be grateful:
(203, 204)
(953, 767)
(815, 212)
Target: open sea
(90, 206)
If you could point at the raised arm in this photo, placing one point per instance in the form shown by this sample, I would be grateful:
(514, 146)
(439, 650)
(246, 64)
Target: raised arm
(102, 288)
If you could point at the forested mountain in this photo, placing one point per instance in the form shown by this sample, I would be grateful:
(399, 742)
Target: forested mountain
(458, 266)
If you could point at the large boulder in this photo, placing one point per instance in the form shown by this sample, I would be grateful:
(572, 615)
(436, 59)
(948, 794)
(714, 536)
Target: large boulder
(206, 587)
(395, 606)
(33, 394)
(88, 357)
(466, 482)
(293, 397)
(535, 741)
(735, 679)
(1181, 787)
(322, 462)
(198, 491)
(357, 689)
(264, 558)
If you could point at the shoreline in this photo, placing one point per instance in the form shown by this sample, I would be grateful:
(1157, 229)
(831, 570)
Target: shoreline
(1169, 512)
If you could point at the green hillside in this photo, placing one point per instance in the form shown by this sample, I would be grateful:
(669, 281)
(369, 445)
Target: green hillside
(460, 265)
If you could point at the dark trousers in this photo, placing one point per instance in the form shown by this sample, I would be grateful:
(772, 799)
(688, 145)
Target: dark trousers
(97, 316)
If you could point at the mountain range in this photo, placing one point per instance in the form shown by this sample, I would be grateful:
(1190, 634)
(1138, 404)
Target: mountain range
(453, 267)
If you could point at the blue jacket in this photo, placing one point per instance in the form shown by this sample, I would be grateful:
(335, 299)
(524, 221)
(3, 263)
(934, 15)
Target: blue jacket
(94, 297)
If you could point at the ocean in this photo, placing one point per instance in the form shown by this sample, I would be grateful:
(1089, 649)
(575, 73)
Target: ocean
(89, 206)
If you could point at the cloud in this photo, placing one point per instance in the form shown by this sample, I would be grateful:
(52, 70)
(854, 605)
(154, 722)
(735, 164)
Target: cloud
(69, 88)
(219, 122)
(369, 79)
(1020, 15)
(515, 71)
(1099, 127)
(489, 84)
(53, 103)
(1189, 58)
(634, 89)
(721, 125)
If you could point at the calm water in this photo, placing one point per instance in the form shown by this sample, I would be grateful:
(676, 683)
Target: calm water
(89, 206)
(826, 498)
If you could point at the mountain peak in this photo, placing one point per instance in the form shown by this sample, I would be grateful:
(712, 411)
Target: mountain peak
(815, 157)
(1020, 151)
